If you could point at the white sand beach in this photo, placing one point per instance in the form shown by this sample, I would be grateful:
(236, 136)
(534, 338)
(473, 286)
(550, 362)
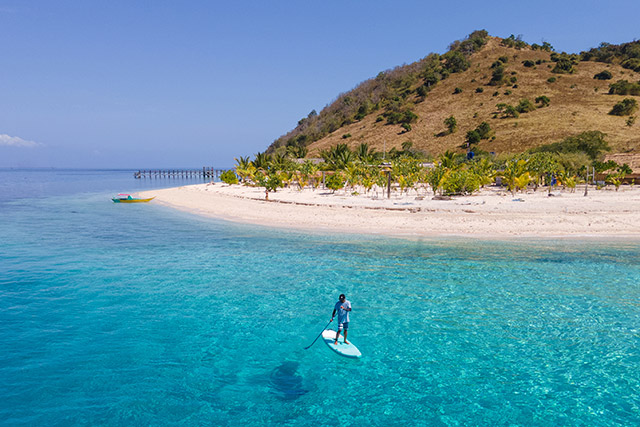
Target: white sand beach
(491, 213)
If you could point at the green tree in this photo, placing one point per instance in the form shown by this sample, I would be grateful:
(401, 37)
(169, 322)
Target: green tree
(497, 75)
(484, 130)
(541, 165)
(270, 181)
(334, 181)
(592, 143)
(456, 62)
(451, 123)
(473, 137)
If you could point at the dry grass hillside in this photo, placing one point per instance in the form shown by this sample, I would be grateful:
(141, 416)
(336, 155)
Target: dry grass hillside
(578, 103)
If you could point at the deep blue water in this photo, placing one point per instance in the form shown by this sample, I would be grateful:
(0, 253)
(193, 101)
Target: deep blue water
(117, 314)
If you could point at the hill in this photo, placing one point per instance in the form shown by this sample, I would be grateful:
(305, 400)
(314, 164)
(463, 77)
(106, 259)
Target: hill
(482, 79)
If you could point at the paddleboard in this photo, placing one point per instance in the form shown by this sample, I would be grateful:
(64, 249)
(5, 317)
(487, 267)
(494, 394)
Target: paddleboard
(346, 350)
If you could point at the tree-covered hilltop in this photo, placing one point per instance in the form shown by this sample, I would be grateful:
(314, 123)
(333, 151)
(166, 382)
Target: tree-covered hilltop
(493, 94)
(627, 54)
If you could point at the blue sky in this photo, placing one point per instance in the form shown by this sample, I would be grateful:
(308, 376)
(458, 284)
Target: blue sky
(141, 84)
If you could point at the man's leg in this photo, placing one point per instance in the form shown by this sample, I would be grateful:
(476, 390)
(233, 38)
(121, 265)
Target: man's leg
(337, 335)
(345, 336)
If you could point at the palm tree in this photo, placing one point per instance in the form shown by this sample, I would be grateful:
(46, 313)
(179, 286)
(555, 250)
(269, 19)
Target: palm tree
(297, 152)
(262, 161)
(514, 174)
(485, 170)
(435, 176)
(449, 159)
(338, 157)
(244, 168)
(366, 154)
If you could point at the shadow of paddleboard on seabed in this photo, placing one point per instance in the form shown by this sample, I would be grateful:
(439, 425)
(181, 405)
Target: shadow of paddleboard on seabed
(285, 382)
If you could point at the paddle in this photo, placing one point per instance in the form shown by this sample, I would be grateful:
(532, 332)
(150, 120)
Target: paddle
(314, 341)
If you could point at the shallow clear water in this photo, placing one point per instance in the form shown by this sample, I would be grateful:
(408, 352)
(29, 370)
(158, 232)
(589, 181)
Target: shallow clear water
(138, 315)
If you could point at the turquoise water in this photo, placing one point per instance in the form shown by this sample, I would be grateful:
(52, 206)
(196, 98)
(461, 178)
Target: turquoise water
(139, 315)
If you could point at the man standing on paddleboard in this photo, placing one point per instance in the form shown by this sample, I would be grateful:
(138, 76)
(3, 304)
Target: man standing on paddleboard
(343, 307)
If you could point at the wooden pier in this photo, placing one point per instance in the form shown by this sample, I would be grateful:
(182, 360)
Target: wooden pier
(204, 173)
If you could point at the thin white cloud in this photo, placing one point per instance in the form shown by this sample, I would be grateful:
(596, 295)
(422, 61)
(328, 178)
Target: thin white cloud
(15, 141)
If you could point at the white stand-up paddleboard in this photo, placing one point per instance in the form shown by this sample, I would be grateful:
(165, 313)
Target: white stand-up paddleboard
(346, 350)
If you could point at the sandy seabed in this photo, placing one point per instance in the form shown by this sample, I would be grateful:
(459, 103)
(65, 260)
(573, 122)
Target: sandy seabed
(491, 213)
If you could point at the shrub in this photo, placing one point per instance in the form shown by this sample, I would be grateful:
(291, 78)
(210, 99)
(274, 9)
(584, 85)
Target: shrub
(503, 59)
(397, 117)
(525, 106)
(346, 135)
(563, 66)
(457, 90)
(543, 100)
(407, 127)
(460, 181)
(564, 63)
(511, 111)
(229, 177)
(623, 87)
(630, 121)
(528, 63)
(603, 75)
(626, 107)
(479, 90)
(551, 79)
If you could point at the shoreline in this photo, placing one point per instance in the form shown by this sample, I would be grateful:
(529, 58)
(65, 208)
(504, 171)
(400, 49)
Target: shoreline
(493, 213)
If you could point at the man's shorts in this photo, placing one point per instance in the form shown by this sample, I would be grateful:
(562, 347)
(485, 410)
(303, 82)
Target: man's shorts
(344, 325)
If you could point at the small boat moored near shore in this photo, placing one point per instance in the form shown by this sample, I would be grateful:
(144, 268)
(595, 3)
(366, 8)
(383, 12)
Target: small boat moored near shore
(128, 198)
